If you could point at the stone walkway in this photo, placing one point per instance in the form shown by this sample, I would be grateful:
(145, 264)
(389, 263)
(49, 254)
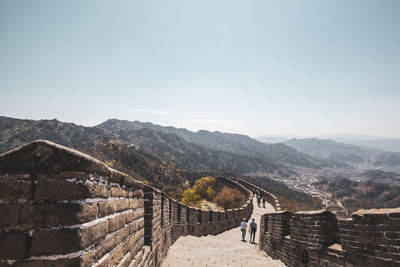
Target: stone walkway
(225, 249)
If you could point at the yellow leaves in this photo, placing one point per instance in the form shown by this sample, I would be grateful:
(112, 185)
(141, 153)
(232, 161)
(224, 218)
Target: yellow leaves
(190, 197)
(204, 187)
(210, 193)
(110, 163)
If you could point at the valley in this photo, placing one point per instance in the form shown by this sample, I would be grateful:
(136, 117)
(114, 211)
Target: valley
(303, 172)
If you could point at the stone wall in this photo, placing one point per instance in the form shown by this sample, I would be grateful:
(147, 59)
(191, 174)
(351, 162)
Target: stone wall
(270, 198)
(317, 238)
(59, 207)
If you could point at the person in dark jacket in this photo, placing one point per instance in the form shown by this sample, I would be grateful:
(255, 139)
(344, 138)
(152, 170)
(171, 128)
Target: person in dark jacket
(253, 230)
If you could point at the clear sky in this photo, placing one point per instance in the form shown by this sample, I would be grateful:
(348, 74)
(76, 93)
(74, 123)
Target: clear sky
(253, 67)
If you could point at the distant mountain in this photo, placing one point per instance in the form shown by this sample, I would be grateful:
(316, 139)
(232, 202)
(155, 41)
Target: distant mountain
(374, 142)
(16, 132)
(346, 153)
(198, 151)
(382, 144)
(275, 154)
(272, 139)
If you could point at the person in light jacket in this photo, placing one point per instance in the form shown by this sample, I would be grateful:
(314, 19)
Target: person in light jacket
(243, 228)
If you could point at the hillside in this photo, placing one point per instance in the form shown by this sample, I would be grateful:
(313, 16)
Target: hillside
(365, 194)
(200, 151)
(16, 132)
(140, 164)
(232, 143)
(346, 153)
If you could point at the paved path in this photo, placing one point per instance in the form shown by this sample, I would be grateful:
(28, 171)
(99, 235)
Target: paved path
(225, 249)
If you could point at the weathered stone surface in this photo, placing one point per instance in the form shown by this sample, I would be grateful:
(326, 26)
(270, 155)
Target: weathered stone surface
(46, 157)
(121, 204)
(12, 188)
(66, 240)
(116, 222)
(55, 241)
(9, 214)
(55, 214)
(56, 189)
(13, 245)
(106, 208)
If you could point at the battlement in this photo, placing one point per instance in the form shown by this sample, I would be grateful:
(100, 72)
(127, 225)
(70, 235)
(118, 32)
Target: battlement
(318, 238)
(62, 207)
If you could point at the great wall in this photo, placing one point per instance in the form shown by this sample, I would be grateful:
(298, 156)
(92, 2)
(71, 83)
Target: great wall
(60, 207)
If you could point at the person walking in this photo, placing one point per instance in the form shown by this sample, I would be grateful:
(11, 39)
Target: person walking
(243, 228)
(258, 200)
(253, 230)
(263, 201)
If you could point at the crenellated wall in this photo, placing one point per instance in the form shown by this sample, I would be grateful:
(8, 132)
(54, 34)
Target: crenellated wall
(59, 207)
(270, 198)
(317, 238)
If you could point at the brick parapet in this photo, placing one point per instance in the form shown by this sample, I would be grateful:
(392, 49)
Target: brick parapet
(270, 198)
(317, 238)
(50, 193)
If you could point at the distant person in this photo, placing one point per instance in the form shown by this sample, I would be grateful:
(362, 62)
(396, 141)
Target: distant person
(258, 200)
(253, 230)
(243, 228)
(263, 201)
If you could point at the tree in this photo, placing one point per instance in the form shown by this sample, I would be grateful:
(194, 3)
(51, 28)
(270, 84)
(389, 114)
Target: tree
(190, 197)
(204, 187)
(229, 198)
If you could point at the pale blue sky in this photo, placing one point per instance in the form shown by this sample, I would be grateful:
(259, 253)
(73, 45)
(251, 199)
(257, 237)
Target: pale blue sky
(252, 67)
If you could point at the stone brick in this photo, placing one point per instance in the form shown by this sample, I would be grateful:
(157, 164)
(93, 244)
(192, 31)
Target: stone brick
(12, 188)
(125, 260)
(121, 204)
(106, 208)
(116, 222)
(117, 191)
(120, 236)
(84, 260)
(13, 245)
(9, 214)
(57, 189)
(133, 203)
(116, 255)
(55, 241)
(134, 226)
(44, 214)
(105, 246)
(66, 240)
(98, 190)
(129, 243)
(90, 235)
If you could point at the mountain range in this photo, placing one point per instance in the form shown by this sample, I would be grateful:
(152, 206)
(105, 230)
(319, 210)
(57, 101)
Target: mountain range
(374, 142)
(199, 151)
(346, 153)
(169, 157)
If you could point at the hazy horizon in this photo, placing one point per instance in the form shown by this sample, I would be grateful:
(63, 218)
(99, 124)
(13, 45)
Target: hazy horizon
(303, 68)
(338, 135)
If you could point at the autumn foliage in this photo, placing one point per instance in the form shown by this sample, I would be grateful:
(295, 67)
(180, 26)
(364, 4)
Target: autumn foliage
(206, 189)
(229, 198)
(202, 189)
